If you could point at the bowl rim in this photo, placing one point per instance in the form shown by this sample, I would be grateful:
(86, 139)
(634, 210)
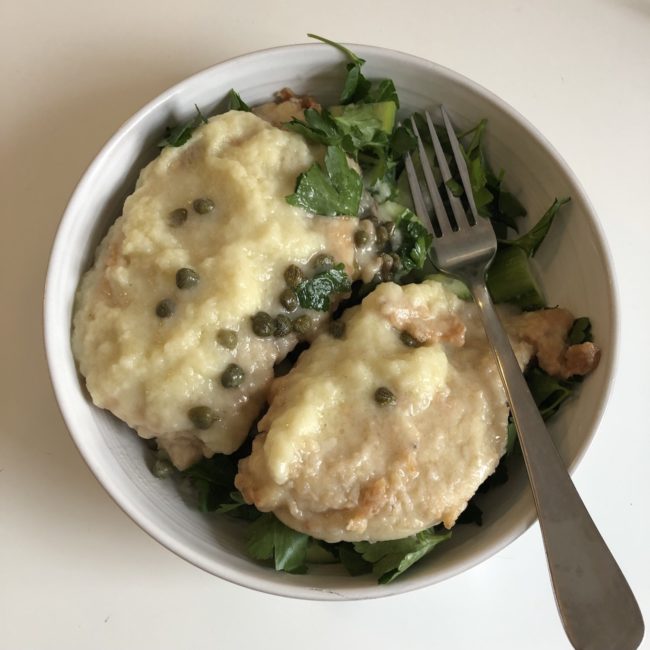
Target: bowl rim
(261, 583)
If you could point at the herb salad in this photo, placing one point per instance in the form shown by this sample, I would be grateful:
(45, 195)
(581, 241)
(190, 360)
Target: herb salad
(362, 129)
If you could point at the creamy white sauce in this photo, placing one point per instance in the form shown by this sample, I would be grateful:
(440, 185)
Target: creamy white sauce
(149, 371)
(335, 464)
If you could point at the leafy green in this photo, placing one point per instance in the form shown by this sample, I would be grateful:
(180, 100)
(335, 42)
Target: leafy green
(334, 191)
(180, 134)
(548, 392)
(385, 91)
(533, 238)
(353, 562)
(390, 559)
(580, 331)
(236, 103)
(471, 515)
(402, 141)
(415, 241)
(317, 126)
(315, 293)
(270, 539)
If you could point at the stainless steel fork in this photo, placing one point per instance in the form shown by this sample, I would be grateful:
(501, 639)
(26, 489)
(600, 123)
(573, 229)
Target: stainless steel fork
(595, 602)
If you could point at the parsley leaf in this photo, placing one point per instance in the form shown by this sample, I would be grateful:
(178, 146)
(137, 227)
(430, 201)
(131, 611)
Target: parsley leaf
(390, 559)
(318, 126)
(236, 103)
(315, 293)
(530, 242)
(180, 134)
(270, 539)
(334, 191)
(415, 241)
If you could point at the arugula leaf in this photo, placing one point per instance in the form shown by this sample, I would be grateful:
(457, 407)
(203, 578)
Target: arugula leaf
(335, 191)
(315, 293)
(415, 241)
(530, 242)
(270, 539)
(180, 134)
(390, 559)
(236, 103)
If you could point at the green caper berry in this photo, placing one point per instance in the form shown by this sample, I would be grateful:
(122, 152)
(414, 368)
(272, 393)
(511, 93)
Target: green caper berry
(337, 329)
(293, 276)
(361, 237)
(203, 206)
(382, 235)
(186, 278)
(408, 340)
(385, 397)
(177, 217)
(202, 417)
(227, 338)
(302, 324)
(289, 299)
(323, 261)
(162, 468)
(232, 376)
(165, 308)
(263, 324)
(283, 325)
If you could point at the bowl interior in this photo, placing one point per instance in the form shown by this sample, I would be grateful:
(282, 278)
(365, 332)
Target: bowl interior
(573, 264)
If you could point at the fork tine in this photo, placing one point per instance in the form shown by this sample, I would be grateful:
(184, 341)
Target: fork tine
(416, 193)
(460, 163)
(436, 199)
(456, 205)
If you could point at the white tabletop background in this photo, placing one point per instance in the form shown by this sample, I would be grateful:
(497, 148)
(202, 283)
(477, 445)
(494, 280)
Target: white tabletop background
(75, 572)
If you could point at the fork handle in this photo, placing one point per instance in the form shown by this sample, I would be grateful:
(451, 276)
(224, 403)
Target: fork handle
(595, 602)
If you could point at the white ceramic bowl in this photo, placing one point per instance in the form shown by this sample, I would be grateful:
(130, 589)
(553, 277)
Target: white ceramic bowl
(574, 265)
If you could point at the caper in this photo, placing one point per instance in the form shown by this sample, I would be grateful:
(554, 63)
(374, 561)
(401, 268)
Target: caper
(408, 340)
(263, 324)
(202, 417)
(162, 468)
(283, 325)
(227, 338)
(289, 299)
(337, 329)
(322, 262)
(203, 206)
(361, 237)
(390, 227)
(385, 397)
(186, 278)
(232, 376)
(165, 308)
(385, 272)
(177, 217)
(382, 235)
(302, 324)
(293, 276)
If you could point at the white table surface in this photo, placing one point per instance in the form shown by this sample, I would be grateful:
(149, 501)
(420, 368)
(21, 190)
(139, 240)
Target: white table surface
(75, 572)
